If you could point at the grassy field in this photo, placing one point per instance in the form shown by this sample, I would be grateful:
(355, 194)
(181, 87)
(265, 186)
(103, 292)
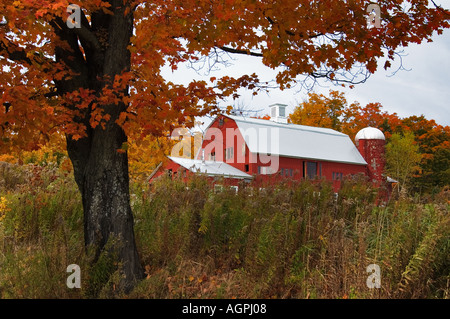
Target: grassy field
(298, 241)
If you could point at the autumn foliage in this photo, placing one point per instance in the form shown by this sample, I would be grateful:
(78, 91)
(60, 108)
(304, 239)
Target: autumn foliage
(430, 139)
(98, 82)
(290, 34)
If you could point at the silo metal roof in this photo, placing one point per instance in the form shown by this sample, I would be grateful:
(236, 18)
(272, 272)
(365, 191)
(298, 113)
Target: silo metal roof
(369, 133)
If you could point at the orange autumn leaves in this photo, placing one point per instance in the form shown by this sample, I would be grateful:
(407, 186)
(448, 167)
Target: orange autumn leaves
(321, 39)
(335, 112)
(432, 140)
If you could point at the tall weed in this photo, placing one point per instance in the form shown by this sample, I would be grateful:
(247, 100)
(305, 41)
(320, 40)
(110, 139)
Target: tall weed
(290, 240)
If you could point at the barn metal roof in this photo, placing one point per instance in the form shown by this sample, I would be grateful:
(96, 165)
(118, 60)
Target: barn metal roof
(211, 168)
(297, 141)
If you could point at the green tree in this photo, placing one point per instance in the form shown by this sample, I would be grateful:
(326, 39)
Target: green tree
(402, 158)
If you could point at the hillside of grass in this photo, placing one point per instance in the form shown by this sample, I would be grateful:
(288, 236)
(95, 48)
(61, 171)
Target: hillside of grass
(290, 241)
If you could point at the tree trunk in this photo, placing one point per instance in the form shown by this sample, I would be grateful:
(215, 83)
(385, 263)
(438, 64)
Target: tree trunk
(102, 176)
(101, 172)
(106, 203)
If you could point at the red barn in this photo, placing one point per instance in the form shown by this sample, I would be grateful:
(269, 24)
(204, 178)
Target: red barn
(238, 147)
(178, 167)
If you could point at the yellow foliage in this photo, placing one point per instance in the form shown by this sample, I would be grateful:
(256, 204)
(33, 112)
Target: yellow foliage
(51, 152)
(7, 158)
(320, 111)
(3, 208)
(144, 155)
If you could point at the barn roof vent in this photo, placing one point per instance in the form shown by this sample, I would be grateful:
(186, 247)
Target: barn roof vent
(278, 113)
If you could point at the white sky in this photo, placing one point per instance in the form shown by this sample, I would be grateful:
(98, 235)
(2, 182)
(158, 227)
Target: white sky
(425, 89)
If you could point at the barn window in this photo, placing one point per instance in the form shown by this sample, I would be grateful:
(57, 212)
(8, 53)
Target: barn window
(247, 167)
(265, 170)
(286, 172)
(311, 169)
(221, 121)
(235, 188)
(337, 176)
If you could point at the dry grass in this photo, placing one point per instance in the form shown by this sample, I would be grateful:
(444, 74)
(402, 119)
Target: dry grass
(279, 242)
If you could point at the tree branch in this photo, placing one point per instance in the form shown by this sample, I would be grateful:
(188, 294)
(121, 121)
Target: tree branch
(71, 54)
(440, 8)
(245, 52)
(13, 52)
(86, 36)
(288, 32)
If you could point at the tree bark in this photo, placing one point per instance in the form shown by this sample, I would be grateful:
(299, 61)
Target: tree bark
(106, 203)
(100, 171)
(102, 176)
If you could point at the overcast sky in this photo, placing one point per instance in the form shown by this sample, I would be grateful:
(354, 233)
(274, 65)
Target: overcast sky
(424, 89)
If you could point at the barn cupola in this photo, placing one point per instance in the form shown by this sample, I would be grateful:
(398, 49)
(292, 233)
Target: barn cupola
(278, 113)
(371, 144)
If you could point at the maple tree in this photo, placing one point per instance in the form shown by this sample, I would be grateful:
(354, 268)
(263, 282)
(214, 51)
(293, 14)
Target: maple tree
(433, 141)
(335, 112)
(322, 111)
(98, 80)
